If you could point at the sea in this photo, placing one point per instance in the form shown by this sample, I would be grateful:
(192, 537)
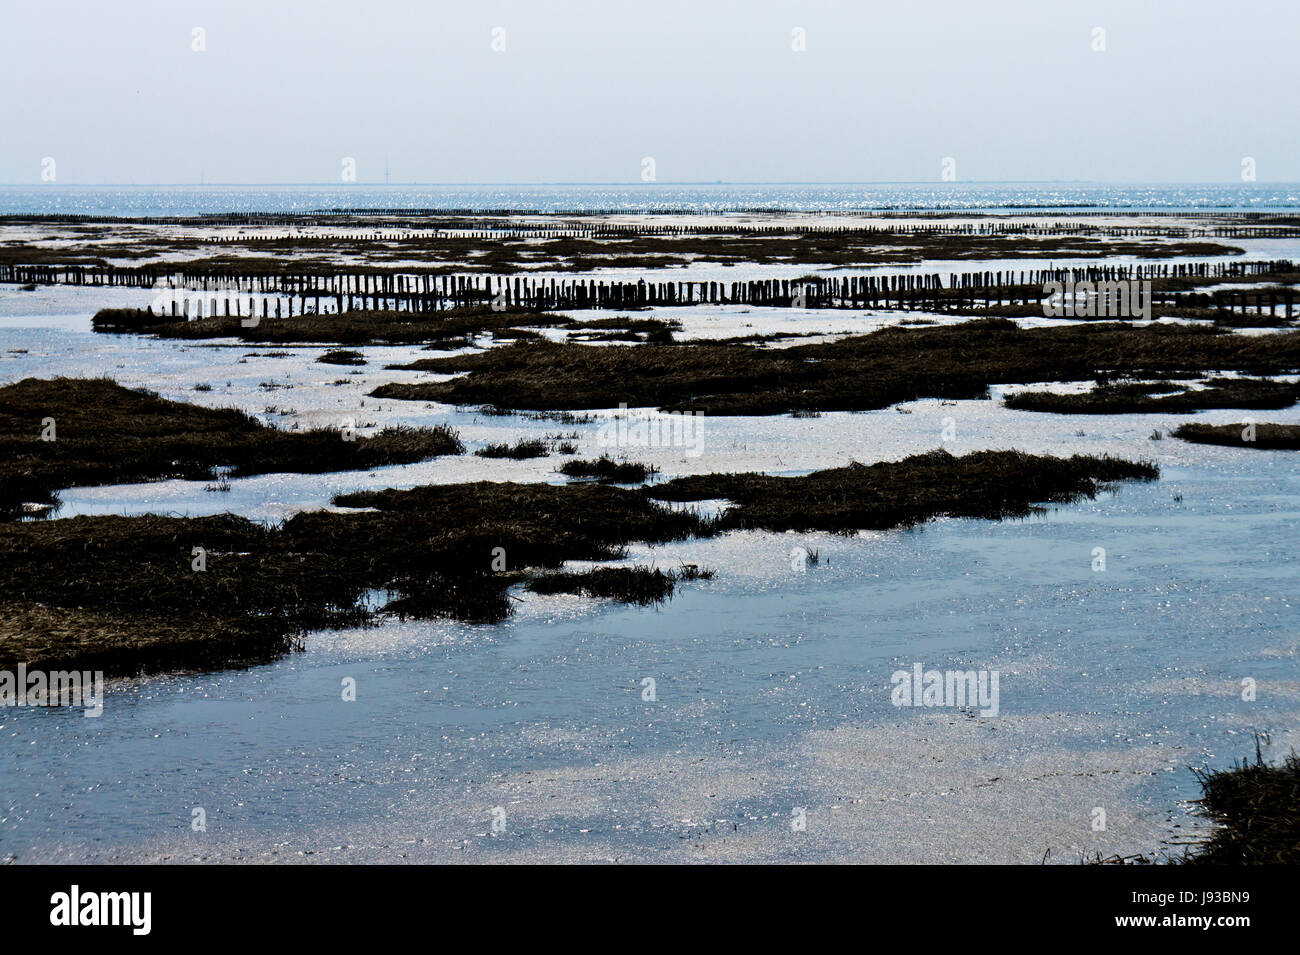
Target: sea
(997, 197)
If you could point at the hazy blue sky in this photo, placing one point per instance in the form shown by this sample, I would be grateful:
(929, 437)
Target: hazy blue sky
(712, 89)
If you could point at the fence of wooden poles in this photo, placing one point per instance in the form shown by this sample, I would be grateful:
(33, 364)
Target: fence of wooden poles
(195, 294)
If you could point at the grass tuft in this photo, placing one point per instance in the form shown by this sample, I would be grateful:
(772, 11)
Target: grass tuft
(519, 451)
(342, 356)
(606, 470)
(1257, 806)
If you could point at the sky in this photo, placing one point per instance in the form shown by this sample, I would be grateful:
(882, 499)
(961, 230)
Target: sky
(544, 91)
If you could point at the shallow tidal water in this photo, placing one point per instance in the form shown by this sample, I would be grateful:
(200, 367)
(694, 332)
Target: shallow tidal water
(772, 694)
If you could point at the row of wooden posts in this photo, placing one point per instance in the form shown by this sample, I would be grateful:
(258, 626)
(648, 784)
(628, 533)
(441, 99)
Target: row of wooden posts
(297, 294)
(196, 305)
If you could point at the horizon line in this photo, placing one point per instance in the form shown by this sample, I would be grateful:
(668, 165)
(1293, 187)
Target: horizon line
(681, 182)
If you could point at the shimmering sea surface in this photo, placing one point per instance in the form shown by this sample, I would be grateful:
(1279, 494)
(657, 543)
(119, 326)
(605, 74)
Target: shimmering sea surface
(59, 198)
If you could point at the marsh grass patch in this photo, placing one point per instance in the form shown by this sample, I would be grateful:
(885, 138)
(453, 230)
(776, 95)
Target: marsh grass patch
(887, 367)
(443, 551)
(1155, 397)
(104, 433)
(1266, 437)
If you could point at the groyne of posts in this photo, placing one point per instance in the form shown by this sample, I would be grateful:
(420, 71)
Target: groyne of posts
(197, 294)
